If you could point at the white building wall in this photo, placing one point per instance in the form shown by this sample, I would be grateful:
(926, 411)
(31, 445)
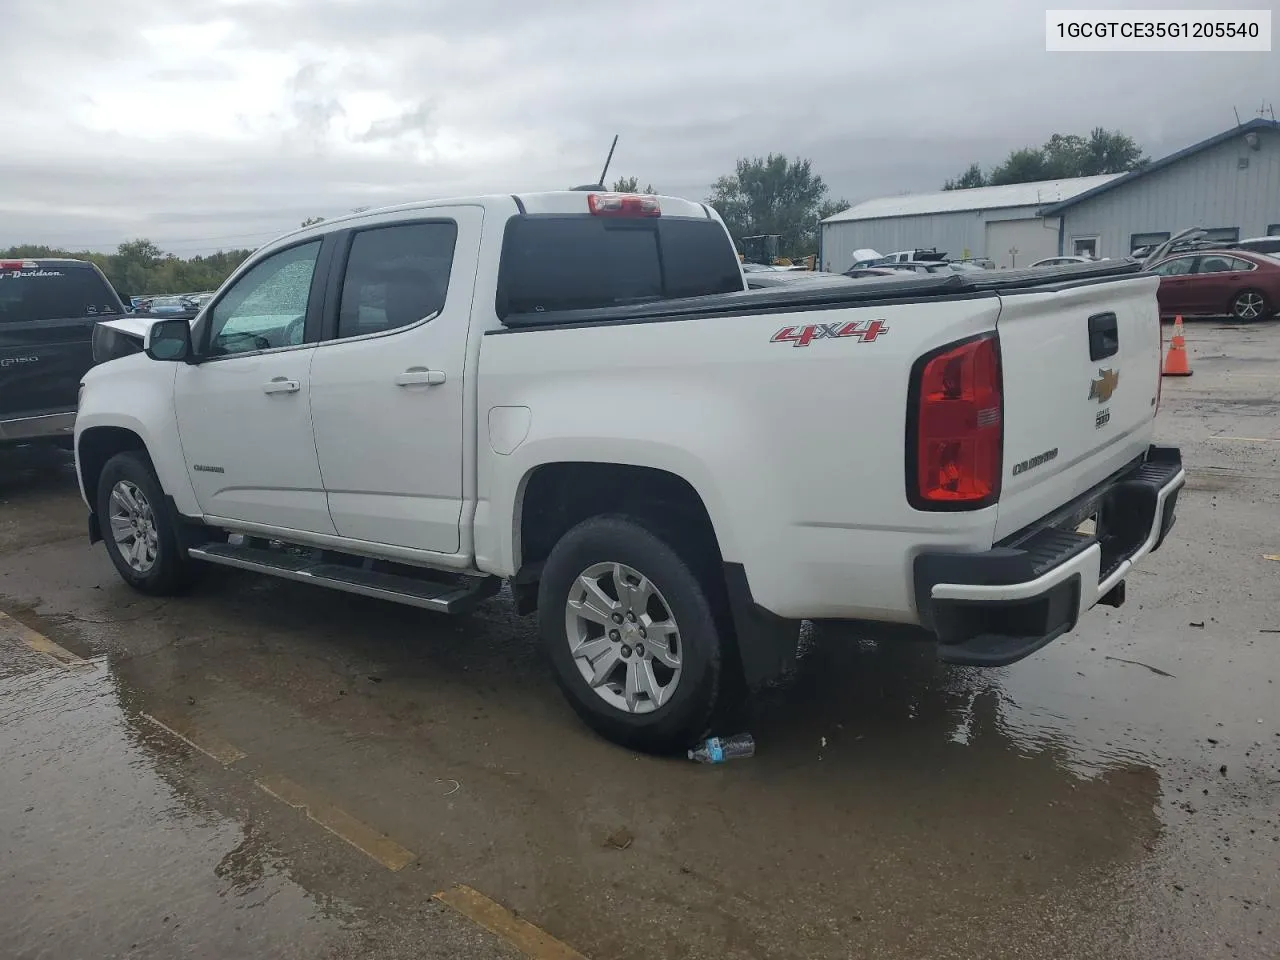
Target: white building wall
(958, 234)
(1020, 243)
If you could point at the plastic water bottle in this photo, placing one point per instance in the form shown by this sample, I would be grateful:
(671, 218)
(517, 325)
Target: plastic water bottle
(720, 749)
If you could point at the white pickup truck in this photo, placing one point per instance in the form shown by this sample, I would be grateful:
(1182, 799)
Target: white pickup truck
(574, 393)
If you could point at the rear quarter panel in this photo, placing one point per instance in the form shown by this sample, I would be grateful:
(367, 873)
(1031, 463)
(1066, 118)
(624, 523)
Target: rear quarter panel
(796, 451)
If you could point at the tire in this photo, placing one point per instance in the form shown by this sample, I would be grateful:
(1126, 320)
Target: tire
(680, 714)
(164, 569)
(1250, 305)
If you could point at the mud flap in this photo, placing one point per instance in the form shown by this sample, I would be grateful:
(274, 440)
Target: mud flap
(767, 644)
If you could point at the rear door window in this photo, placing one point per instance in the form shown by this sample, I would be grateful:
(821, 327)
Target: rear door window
(54, 292)
(554, 263)
(1219, 264)
(396, 276)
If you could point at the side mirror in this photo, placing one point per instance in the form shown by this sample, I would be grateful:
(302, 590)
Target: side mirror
(169, 340)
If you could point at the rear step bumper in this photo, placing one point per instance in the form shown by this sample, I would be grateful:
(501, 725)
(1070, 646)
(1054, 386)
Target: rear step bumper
(996, 607)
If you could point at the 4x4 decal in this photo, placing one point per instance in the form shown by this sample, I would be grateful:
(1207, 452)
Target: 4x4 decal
(865, 331)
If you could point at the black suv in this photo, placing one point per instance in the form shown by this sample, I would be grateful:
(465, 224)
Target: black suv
(48, 309)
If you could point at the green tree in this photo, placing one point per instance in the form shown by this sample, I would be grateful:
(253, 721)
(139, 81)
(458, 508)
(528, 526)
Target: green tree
(311, 221)
(134, 264)
(973, 177)
(1021, 166)
(774, 195)
(140, 267)
(1062, 156)
(1110, 151)
(631, 185)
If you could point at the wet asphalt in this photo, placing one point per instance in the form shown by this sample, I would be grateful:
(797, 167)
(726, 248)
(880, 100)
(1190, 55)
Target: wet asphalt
(1116, 795)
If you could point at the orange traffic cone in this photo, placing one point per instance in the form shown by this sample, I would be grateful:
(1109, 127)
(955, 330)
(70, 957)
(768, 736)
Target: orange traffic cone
(1175, 362)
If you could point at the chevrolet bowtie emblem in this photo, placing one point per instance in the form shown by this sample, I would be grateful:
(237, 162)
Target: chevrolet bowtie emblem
(1102, 388)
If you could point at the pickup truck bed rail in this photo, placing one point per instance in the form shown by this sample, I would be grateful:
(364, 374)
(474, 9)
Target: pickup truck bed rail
(832, 296)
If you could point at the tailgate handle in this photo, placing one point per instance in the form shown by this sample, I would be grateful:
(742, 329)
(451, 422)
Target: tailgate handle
(1104, 336)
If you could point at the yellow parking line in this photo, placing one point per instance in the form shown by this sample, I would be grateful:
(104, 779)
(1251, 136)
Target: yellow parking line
(213, 747)
(340, 823)
(497, 919)
(14, 630)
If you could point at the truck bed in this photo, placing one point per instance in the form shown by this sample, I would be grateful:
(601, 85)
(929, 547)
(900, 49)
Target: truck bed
(807, 454)
(833, 296)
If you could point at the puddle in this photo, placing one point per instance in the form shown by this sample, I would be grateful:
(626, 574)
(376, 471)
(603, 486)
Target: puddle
(104, 854)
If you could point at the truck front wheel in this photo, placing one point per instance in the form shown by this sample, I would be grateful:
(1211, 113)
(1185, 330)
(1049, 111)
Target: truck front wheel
(139, 528)
(632, 634)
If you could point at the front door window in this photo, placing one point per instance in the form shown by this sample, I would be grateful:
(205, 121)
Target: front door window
(1176, 267)
(267, 307)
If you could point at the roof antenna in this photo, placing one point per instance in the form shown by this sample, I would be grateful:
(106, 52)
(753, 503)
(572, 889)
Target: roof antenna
(599, 185)
(1237, 113)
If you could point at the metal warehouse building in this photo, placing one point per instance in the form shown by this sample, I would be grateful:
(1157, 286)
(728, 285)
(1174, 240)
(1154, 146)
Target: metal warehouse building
(1228, 184)
(1002, 223)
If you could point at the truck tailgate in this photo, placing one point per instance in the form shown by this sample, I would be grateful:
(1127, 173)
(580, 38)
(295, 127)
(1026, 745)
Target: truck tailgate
(1081, 370)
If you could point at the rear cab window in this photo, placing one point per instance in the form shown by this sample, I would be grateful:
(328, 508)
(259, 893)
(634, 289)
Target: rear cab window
(553, 262)
(34, 290)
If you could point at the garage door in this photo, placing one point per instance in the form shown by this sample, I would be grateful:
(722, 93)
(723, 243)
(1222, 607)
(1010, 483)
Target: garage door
(1017, 243)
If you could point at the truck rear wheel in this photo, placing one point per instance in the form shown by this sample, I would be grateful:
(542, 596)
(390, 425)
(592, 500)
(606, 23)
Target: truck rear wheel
(632, 634)
(140, 529)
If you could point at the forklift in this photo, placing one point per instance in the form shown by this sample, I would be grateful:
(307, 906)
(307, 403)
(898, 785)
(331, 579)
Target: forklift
(762, 249)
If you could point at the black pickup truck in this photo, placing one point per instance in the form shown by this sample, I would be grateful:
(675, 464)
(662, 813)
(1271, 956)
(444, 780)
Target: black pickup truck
(48, 309)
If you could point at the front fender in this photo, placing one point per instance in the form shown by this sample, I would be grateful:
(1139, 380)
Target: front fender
(135, 393)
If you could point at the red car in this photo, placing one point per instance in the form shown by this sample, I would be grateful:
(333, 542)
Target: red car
(1216, 283)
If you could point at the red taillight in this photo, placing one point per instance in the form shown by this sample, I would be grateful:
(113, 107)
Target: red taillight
(958, 419)
(623, 205)
(18, 265)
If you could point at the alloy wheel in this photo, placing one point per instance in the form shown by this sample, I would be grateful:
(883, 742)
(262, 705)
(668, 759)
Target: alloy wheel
(1248, 305)
(623, 637)
(133, 526)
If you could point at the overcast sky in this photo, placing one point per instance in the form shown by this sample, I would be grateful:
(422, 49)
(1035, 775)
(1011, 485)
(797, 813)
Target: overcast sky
(223, 123)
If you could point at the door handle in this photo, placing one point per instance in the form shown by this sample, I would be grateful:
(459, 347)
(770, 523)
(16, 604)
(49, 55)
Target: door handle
(281, 385)
(417, 376)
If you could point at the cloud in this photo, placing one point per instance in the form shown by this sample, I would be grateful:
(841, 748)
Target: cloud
(202, 73)
(314, 105)
(414, 120)
(202, 125)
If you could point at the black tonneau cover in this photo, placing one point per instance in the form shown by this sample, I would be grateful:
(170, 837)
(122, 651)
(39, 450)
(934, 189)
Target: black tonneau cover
(832, 295)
